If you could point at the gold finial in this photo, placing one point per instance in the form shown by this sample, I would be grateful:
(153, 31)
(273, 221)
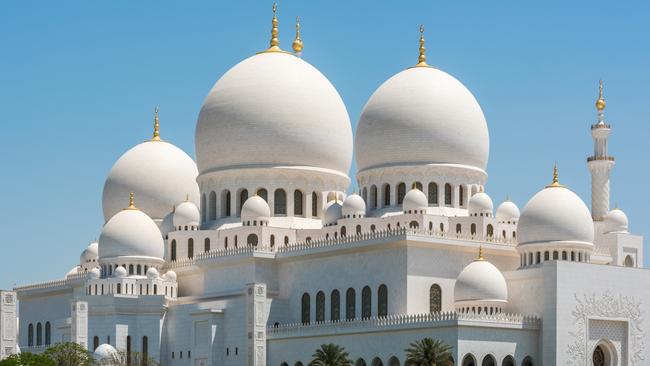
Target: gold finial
(414, 185)
(480, 189)
(480, 252)
(297, 43)
(600, 102)
(131, 202)
(156, 126)
(187, 197)
(422, 58)
(275, 42)
(556, 180)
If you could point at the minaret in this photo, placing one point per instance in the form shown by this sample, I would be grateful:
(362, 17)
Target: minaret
(600, 163)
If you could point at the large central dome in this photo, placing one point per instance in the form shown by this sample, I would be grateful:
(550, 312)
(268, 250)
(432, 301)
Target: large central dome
(273, 110)
(422, 116)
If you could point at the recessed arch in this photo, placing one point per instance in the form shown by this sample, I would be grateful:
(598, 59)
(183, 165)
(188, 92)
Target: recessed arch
(377, 362)
(629, 261)
(279, 202)
(489, 360)
(320, 306)
(298, 209)
(508, 361)
(251, 240)
(360, 362)
(528, 361)
(435, 298)
(469, 360)
(393, 361)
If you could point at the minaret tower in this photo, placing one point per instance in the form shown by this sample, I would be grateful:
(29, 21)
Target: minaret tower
(600, 163)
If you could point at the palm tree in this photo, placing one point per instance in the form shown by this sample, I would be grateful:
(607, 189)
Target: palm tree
(330, 355)
(427, 352)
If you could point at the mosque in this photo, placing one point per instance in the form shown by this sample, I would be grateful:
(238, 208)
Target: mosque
(255, 254)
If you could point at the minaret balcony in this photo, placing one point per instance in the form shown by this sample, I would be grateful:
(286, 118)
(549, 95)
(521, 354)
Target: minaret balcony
(596, 158)
(600, 125)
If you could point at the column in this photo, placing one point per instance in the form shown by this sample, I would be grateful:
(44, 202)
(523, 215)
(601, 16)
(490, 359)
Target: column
(256, 323)
(8, 331)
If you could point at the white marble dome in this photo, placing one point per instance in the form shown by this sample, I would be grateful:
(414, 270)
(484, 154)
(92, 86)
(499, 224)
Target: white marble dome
(420, 116)
(120, 272)
(186, 214)
(170, 276)
(167, 225)
(255, 209)
(105, 352)
(90, 254)
(333, 212)
(615, 221)
(480, 282)
(414, 201)
(508, 211)
(152, 273)
(270, 110)
(73, 271)
(555, 215)
(353, 206)
(480, 204)
(130, 233)
(94, 274)
(160, 174)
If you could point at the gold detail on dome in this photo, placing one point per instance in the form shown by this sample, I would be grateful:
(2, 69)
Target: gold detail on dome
(131, 202)
(187, 197)
(600, 102)
(275, 41)
(480, 189)
(480, 252)
(156, 126)
(297, 43)
(422, 58)
(556, 180)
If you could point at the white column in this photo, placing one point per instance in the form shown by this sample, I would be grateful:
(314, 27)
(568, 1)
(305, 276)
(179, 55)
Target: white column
(256, 323)
(8, 331)
(79, 323)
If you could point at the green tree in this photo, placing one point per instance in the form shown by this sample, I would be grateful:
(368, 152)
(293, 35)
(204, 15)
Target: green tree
(27, 359)
(427, 352)
(68, 354)
(330, 355)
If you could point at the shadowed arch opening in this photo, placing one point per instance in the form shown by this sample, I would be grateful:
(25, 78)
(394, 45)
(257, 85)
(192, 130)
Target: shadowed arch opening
(508, 361)
(489, 360)
(469, 360)
(393, 361)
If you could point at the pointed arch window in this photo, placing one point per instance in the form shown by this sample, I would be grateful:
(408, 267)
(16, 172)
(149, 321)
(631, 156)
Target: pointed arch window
(190, 248)
(366, 302)
(320, 306)
(39, 334)
(263, 193)
(48, 333)
(373, 197)
(280, 202)
(305, 306)
(297, 203)
(30, 335)
(350, 304)
(461, 194)
(447, 194)
(314, 204)
(382, 301)
(433, 193)
(335, 308)
(435, 298)
(225, 203)
(206, 245)
(387, 195)
(401, 192)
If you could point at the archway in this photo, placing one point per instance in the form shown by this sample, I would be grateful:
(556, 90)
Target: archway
(629, 262)
(377, 362)
(393, 361)
(528, 361)
(469, 360)
(508, 361)
(360, 362)
(489, 361)
(604, 354)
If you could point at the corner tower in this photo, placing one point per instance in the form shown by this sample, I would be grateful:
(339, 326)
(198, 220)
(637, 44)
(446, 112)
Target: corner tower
(600, 163)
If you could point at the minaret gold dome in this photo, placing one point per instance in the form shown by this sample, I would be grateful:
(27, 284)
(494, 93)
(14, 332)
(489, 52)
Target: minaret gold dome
(600, 102)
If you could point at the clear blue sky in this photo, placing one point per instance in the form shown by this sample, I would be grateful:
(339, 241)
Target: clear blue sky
(79, 81)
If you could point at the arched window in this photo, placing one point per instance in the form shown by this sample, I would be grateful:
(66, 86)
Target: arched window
(358, 230)
(190, 248)
(393, 361)
(225, 203)
(251, 240)
(119, 288)
(350, 304)
(286, 240)
(503, 234)
(528, 361)
(473, 229)
(320, 306)
(468, 360)
(401, 192)
(243, 196)
(138, 270)
(447, 194)
(373, 228)
(155, 288)
(373, 197)
(174, 250)
(314, 204)
(387, 195)
(235, 241)
(490, 230)
(272, 241)
(213, 206)
(435, 298)
(206, 245)
(433, 193)
(414, 224)
(297, 203)
(377, 362)
(145, 350)
(343, 231)
(382, 300)
(263, 194)
(508, 361)
(489, 361)
(442, 227)
(48, 334)
(360, 362)
(30, 335)
(203, 207)
(280, 202)
(95, 342)
(366, 303)
(130, 269)
(305, 306)
(461, 194)
(459, 228)
(335, 309)
(629, 261)
(39, 334)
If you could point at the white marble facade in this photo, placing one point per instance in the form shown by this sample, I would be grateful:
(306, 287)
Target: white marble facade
(256, 254)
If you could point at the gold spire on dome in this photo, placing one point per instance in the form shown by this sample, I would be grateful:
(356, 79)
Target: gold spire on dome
(422, 58)
(480, 189)
(131, 202)
(156, 126)
(275, 41)
(187, 197)
(556, 180)
(600, 102)
(297, 43)
(480, 253)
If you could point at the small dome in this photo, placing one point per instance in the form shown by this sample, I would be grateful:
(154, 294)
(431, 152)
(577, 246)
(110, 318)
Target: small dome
(120, 272)
(167, 225)
(131, 233)
(170, 276)
(104, 352)
(333, 213)
(90, 254)
(72, 271)
(556, 215)
(186, 214)
(93, 274)
(615, 222)
(354, 206)
(414, 201)
(255, 209)
(160, 174)
(481, 282)
(152, 273)
(480, 204)
(508, 211)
